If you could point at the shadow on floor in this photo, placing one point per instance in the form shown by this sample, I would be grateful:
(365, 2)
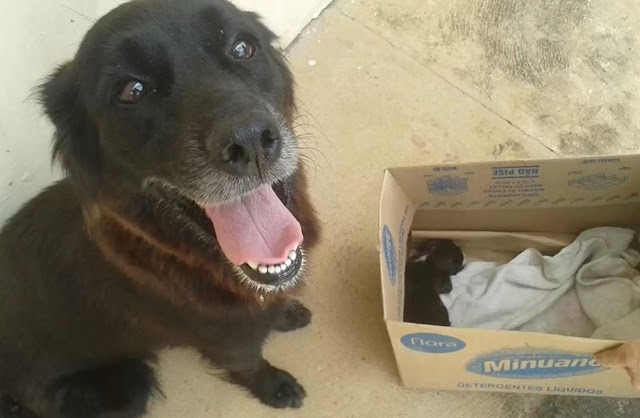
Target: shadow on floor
(534, 406)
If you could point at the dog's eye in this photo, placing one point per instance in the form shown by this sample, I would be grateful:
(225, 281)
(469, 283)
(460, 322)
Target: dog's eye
(243, 50)
(132, 92)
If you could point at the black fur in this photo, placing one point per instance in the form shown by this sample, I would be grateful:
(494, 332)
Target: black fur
(428, 275)
(101, 390)
(271, 385)
(294, 316)
(119, 260)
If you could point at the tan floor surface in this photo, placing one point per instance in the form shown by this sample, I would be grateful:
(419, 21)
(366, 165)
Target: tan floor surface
(410, 82)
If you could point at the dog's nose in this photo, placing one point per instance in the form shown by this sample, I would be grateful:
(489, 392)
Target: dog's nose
(253, 146)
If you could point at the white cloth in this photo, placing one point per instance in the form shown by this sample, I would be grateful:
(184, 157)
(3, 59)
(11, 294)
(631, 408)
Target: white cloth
(536, 293)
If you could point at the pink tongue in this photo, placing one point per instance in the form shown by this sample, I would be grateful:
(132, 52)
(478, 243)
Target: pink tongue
(257, 229)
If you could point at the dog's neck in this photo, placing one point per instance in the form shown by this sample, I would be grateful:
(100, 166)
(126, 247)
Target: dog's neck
(155, 244)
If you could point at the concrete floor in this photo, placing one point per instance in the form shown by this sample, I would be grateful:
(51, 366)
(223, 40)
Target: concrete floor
(410, 82)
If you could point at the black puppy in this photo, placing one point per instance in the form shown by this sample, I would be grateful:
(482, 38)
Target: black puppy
(428, 275)
(184, 218)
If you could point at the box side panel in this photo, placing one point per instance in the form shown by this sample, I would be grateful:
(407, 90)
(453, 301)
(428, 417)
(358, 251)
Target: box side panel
(396, 214)
(558, 220)
(446, 358)
(531, 184)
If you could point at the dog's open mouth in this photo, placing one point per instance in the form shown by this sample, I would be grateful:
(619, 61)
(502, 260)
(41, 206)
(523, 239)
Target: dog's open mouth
(277, 275)
(260, 236)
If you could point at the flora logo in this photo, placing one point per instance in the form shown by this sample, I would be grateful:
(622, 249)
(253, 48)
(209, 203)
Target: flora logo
(432, 343)
(527, 364)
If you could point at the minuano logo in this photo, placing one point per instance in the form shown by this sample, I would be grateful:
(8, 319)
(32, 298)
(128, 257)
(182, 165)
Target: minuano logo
(521, 364)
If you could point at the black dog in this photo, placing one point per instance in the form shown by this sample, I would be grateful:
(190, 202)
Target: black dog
(428, 275)
(180, 222)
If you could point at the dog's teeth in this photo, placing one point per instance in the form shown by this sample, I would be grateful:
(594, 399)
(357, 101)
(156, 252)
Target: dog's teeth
(274, 268)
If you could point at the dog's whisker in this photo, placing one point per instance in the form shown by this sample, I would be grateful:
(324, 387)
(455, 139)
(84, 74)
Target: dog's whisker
(82, 15)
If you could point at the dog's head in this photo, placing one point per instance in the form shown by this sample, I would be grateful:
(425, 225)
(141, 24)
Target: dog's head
(190, 95)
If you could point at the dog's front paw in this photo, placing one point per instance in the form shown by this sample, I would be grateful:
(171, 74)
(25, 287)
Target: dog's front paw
(272, 386)
(293, 316)
(281, 390)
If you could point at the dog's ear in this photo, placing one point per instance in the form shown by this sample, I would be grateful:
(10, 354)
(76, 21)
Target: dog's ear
(75, 141)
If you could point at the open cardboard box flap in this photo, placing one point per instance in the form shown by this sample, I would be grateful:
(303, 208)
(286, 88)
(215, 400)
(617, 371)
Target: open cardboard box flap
(562, 196)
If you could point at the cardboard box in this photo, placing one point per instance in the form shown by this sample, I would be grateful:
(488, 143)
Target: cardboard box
(563, 196)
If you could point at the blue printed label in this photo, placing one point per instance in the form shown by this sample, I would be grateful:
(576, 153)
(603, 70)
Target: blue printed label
(432, 343)
(533, 365)
(389, 249)
(597, 181)
(519, 172)
(599, 160)
(447, 185)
